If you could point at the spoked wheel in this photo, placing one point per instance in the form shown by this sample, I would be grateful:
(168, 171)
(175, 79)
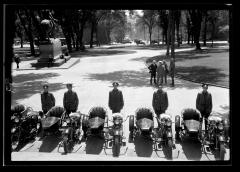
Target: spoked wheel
(222, 151)
(116, 146)
(169, 148)
(65, 145)
(15, 141)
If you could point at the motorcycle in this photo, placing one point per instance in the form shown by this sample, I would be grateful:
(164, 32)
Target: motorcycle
(52, 121)
(25, 124)
(165, 132)
(189, 125)
(216, 137)
(94, 122)
(114, 134)
(71, 131)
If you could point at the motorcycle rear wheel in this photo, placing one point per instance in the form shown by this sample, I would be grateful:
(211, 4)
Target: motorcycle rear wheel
(222, 151)
(116, 146)
(65, 146)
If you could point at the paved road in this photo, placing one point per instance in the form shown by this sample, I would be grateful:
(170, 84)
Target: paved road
(92, 78)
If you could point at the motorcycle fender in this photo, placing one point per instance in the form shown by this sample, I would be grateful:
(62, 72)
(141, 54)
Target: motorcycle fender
(221, 138)
(117, 132)
(169, 134)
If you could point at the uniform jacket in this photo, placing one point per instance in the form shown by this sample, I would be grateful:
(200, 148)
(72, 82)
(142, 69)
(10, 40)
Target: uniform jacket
(204, 102)
(115, 101)
(160, 70)
(47, 100)
(160, 100)
(152, 68)
(70, 100)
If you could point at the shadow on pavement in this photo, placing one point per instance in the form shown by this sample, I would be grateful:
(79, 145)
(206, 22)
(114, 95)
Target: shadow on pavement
(100, 52)
(192, 149)
(25, 85)
(94, 145)
(143, 146)
(49, 143)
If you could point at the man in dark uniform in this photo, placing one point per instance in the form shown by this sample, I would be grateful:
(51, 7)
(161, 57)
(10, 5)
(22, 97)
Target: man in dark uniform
(204, 103)
(115, 101)
(70, 100)
(47, 99)
(160, 101)
(152, 70)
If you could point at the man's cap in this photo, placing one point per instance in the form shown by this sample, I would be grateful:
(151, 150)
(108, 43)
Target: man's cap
(115, 84)
(154, 61)
(69, 84)
(204, 85)
(45, 86)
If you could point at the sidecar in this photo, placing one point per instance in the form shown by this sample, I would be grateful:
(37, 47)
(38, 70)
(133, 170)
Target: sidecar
(94, 122)
(52, 121)
(189, 124)
(141, 124)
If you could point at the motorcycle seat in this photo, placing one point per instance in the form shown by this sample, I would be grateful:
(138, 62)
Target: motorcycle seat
(75, 115)
(165, 116)
(214, 118)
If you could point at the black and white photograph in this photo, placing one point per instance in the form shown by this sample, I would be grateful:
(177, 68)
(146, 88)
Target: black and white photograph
(88, 83)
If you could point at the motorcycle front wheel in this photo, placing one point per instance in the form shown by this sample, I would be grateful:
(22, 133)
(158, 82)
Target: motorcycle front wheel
(15, 140)
(222, 151)
(169, 149)
(116, 146)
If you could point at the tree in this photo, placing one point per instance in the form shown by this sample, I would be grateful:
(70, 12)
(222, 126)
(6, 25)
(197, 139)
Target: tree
(26, 22)
(177, 17)
(196, 20)
(163, 23)
(148, 19)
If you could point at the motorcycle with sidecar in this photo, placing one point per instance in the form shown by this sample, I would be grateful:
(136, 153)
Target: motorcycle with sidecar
(113, 134)
(189, 124)
(93, 123)
(52, 121)
(25, 124)
(71, 131)
(216, 137)
(144, 126)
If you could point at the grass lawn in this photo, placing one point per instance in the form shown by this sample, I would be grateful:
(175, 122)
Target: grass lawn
(208, 65)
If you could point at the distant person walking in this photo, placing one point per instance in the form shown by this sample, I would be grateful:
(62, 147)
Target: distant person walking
(160, 73)
(171, 70)
(115, 100)
(17, 60)
(204, 103)
(160, 101)
(47, 99)
(152, 70)
(70, 100)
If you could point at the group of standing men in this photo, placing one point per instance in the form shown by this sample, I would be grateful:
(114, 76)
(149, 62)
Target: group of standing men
(116, 101)
(160, 70)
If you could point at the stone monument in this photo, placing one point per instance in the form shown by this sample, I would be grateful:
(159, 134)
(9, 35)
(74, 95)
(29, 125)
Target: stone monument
(50, 48)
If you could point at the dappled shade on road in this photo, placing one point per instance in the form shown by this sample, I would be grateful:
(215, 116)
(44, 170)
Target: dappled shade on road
(143, 146)
(192, 149)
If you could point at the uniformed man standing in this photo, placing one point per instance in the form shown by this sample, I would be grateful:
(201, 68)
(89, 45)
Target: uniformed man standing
(70, 100)
(115, 101)
(204, 103)
(47, 99)
(160, 101)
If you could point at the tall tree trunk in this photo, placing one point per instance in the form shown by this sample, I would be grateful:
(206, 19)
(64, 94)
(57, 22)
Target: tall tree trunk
(92, 32)
(213, 28)
(169, 31)
(21, 38)
(163, 37)
(173, 42)
(150, 35)
(205, 31)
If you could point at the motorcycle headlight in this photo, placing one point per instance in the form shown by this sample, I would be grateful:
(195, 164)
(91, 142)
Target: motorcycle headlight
(16, 120)
(169, 123)
(116, 121)
(68, 121)
(13, 130)
(220, 126)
